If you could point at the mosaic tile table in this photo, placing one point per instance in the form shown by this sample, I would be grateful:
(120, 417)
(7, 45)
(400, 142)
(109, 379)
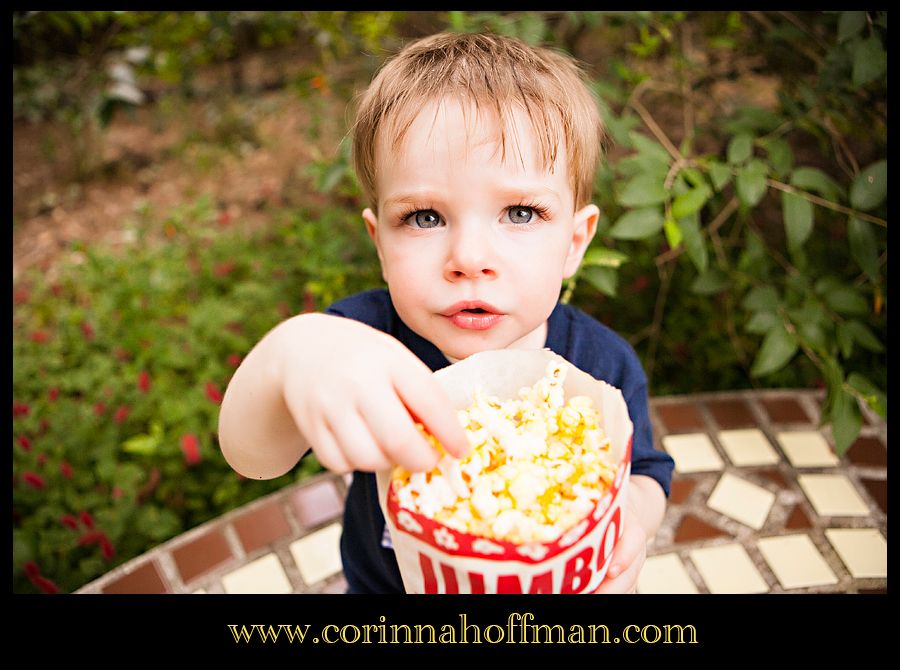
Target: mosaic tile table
(760, 504)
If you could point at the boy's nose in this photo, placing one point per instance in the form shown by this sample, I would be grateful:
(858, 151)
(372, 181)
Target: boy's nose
(470, 255)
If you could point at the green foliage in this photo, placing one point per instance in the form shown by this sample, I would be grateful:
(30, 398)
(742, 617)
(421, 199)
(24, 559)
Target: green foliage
(120, 363)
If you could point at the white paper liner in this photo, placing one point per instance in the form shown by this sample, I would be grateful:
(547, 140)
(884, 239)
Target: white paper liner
(434, 558)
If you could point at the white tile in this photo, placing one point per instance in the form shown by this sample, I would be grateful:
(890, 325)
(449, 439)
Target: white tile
(664, 573)
(795, 561)
(747, 446)
(264, 575)
(199, 592)
(728, 569)
(741, 500)
(807, 449)
(318, 555)
(832, 495)
(863, 550)
(692, 452)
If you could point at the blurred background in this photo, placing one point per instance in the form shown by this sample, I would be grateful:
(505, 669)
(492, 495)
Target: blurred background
(182, 183)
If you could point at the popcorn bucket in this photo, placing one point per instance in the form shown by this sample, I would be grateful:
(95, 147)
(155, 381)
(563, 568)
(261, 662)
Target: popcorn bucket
(434, 558)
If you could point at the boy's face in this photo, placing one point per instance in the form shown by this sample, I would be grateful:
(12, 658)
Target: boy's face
(473, 247)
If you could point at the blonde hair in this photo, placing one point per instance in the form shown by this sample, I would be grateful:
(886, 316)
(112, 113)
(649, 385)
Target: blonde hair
(492, 71)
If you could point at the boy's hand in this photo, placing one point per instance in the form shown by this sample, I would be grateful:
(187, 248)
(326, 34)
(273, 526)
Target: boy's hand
(628, 556)
(355, 394)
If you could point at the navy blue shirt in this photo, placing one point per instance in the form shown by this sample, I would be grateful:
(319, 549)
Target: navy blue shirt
(369, 565)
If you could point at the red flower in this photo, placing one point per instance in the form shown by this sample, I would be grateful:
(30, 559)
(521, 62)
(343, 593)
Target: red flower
(224, 219)
(34, 479)
(107, 548)
(309, 301)
(224, 269)
(20, 409)
(20, 295)
(284, 309)
(190, 447)
(44, 584)
(91, 537)
(41, 459)
(234, 360)
(144, 381)
(87, 330)
(99, 409)
(69, 521)
(213, 392)
(31, 569)
(86, 519)
(53, 393)
(40, 336)
(25, 443)
(66, 470)
(43, 426)
(117, 492)
(121, 414)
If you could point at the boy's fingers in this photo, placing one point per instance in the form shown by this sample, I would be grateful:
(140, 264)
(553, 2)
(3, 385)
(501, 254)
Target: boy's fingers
(396, 434)
(355, 442)
(327, 451)
(427, 401)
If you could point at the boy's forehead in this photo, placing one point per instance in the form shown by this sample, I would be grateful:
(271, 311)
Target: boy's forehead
(459, 128)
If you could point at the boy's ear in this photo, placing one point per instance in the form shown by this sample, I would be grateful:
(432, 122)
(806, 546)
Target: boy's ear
(585, 225)
(371, 222)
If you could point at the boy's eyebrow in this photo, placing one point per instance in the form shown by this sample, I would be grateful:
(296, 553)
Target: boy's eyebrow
(519, 192)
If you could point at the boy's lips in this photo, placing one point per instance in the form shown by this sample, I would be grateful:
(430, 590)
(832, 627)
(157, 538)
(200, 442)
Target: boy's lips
(473, 315)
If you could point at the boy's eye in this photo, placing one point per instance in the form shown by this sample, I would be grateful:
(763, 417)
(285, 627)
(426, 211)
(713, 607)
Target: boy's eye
(424, 218)
(520, 214)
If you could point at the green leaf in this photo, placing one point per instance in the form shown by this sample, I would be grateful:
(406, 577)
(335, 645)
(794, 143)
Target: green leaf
(690, 202)
(637, 224)
(813, 179)
(863, 247)
(781, 158)
(874, 397)
(642, 191)
(720, 174)
(673, 233)
(869, 61)
(694, 242)
(740, 148)
(798, 219)
(141, 445)
(850, 24)
(638, 164)
(751, 182)
(604, 257)
(846, 420)
(860, 333)
(649, 147)
(844, 339)
(605, 280)
(869, 189)
(710, 282)
(761, 322)
(846, 300)
(761, 298)
(777, 349)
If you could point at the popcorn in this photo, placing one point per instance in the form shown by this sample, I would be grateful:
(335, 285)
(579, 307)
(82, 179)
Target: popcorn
(537, 467)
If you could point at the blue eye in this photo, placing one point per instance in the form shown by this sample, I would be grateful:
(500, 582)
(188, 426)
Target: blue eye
(425, 218)
(520, 214)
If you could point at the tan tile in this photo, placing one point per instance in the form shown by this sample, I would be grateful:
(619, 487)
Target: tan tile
(795, 561)
(201, 555)
(318, 554)
(264, 575)
(832, 495)
(317, 503)
(807, 449)
(741, 500)
(198, 592)
(693, 452)
(863, 550)
(728, 569)
(261, 526)
(747, 446)
(664, 573)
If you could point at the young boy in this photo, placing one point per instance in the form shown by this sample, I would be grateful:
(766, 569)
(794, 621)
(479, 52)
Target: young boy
(477, 155)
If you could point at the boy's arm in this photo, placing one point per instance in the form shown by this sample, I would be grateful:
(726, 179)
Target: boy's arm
(340, 386)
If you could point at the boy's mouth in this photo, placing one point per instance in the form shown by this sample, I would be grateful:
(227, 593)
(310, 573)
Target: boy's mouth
(473, 315)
